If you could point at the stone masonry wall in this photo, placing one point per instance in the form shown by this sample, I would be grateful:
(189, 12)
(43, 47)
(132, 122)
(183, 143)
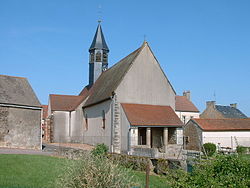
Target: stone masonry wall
(20, 128)
(193, 136)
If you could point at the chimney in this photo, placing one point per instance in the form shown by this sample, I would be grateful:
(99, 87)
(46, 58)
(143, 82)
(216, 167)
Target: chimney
(234, 105)
(210, 104)
(187, 94)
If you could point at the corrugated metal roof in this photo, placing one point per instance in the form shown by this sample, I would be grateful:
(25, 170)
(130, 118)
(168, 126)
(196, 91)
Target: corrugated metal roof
(17, 90)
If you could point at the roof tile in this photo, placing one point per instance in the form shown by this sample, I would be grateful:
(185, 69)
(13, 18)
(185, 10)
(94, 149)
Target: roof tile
(184, 105)
(223, 124)
(151, 115)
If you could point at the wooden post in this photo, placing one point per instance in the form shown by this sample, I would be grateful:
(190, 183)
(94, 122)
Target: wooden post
(147, 175)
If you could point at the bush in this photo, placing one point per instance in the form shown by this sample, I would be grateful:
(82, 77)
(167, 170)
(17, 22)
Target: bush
(100, 149)
(241, 149)
(129, 161)
(224, 171)
(94, 171)
(209, 148)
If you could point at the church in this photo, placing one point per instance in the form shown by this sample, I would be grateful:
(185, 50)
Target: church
(130, 107)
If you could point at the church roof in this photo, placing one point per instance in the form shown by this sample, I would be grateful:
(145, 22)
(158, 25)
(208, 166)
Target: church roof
(110, 79)
(17, 90)
(99, 40)
(223, 124)
(151, 115)
(184, 105)
(64, 102)
(230, 112)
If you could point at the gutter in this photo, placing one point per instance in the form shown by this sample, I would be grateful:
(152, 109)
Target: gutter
(21, 106)
(108, 98)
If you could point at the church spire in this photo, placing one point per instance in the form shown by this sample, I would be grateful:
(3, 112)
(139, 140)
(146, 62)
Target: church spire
(99, 40)
(98, 61)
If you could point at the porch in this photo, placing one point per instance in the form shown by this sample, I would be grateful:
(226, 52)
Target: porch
(158, 142)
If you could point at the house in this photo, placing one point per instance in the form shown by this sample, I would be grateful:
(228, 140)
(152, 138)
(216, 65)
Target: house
(20, 114)
(184, 108)
(44, 117)
(225, 133)
(128, 106)
(214, 111)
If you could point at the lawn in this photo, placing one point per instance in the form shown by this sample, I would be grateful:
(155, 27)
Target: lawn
(29, 171)
(34, 171)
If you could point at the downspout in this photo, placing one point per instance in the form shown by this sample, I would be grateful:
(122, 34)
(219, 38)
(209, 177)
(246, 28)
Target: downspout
(112, 121)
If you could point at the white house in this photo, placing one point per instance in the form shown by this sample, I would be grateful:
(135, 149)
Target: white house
(227, 133)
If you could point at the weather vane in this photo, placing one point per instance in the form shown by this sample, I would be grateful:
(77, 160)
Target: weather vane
(99, 14)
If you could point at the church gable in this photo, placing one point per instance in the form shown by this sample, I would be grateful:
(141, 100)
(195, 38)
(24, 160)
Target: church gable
(145, 82)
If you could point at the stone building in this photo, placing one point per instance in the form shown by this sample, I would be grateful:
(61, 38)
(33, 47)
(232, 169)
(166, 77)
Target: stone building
(214, 111)
(225, 133)
(20, 114)
(129, 106)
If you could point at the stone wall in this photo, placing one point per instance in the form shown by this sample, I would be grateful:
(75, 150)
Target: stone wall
(193, 136)
(20, 128)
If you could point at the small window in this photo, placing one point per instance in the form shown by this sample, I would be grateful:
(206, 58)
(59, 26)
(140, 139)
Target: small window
(86, 122)
(98, 57)
(92, 57)
(184, 119)
(103, 119)
(105, 57)
(191, 117)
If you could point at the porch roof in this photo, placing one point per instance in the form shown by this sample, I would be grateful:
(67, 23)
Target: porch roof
(151, 115)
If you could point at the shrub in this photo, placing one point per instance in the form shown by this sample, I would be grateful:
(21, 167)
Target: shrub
(241, 149)
(209, 149)
(94, 171)
(224, 171)
(100, 149)
(129, 161)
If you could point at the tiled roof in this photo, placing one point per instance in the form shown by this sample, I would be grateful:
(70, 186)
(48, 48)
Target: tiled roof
(64, 102)
(17, 90)
(230, 112)
(151, 115)
(45, 111)
(223, 124)
(110, 79)
(184, 105)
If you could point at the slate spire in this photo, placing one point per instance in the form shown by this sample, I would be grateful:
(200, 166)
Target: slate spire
(98, 51)
(99, 40)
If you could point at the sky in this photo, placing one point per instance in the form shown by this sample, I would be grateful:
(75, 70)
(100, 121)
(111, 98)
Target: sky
(202, 45)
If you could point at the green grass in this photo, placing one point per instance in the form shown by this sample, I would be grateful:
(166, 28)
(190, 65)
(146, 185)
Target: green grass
(29, 171)
(155, 181)
(34, 171)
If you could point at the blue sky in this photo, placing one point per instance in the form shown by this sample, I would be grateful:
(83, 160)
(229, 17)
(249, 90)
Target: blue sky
(202, 45)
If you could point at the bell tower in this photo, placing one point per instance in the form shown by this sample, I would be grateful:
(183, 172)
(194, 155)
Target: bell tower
(98, 55)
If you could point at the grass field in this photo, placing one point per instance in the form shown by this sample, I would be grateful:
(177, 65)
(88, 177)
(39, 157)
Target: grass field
(34, 171)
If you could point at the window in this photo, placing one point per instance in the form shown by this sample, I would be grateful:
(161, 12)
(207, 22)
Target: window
(103, 119)
(184, 119)
(98, 57)
(86, 122)
(105, 57)
(92, 57)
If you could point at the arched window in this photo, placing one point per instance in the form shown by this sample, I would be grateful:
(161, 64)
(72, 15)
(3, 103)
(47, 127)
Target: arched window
(92, 57)
(86, 122)
(98, 57)
(103, 119)
(105, 57)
